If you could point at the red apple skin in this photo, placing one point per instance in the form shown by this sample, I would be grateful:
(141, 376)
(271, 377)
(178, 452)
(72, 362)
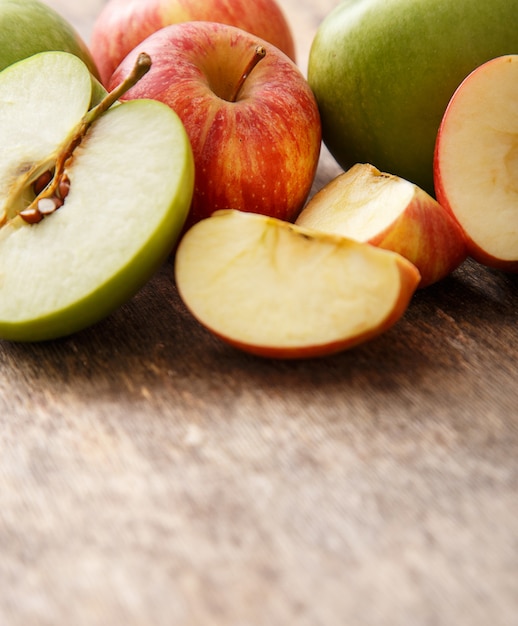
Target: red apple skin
(428, 236)
(409, 276)
(123, 24)
(257, 154)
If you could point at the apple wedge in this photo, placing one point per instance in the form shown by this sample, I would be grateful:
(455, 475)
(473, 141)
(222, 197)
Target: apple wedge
(91, 200)
(392, 213)
(278, 290)
(476, 159)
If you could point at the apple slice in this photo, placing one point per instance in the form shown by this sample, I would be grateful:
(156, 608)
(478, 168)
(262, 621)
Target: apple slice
(476, 159)
(391, 213)
(92, 201)
(278, 290)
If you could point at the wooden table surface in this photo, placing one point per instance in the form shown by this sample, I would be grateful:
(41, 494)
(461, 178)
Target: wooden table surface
(152, 476)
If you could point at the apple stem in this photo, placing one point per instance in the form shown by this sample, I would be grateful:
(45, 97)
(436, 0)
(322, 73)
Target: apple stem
(259, 53)
(141, 67)
(54, 190)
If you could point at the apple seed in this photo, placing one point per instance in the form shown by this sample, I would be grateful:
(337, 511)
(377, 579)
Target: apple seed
(31, 215)
(41, 182)
(64, 186)
(46, 206)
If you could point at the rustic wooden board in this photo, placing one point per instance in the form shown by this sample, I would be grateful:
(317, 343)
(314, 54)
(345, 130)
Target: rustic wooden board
(151, 475)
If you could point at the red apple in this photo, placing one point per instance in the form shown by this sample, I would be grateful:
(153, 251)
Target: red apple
(278, 290)
(392, 213)
(476, 158)
(251, 116)
(123, 24)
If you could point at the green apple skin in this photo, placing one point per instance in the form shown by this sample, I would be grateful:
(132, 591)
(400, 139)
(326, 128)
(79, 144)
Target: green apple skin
(30, 26)
(384, 72)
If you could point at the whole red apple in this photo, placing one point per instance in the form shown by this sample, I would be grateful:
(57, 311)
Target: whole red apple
(250, 114)
(123, 24)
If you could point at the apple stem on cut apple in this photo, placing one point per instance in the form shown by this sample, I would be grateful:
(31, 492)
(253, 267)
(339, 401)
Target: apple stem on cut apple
(52, 194)
(259, 53)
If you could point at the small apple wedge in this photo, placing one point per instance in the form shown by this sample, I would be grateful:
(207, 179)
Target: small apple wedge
(92, 200)
(278, 290)
(476, 162)
(389, 212)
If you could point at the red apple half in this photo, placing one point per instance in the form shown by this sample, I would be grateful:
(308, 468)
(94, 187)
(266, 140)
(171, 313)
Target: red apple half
(476, 162)
(123, 24)
(392, 213)
(250, 115)
(278, 290)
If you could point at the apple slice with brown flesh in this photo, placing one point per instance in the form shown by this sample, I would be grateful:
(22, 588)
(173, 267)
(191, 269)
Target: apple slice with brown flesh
(476, 162)
(391, 213)
(279, 290)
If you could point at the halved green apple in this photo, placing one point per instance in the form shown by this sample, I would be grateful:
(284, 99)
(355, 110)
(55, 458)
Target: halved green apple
(91, 201)
(279, 290)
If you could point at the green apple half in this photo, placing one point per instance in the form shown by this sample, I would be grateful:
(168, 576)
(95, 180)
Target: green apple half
(130, 182)
(383, 73)
(31, 26)
(278, 290)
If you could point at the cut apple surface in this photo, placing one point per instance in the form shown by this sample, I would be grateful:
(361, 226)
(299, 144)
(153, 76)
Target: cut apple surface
(476, 162)
(279, 290)
(391, 213)
(128, 186)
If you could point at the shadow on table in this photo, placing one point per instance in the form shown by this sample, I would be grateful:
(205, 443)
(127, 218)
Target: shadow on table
(155, 341)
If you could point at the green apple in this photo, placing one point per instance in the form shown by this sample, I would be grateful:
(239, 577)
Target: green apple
(384, 72)
(30, 26)
(279, 290)
(91, 200)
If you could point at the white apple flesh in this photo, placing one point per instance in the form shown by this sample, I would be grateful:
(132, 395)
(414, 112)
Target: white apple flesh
(131, 181)
(392, 213)
(476, 162)
(277, 290)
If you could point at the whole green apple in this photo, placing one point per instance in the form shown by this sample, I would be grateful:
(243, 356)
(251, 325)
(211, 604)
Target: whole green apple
(384, 72)
(30, 26)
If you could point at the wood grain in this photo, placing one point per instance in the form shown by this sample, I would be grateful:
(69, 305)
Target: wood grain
(150, 475)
